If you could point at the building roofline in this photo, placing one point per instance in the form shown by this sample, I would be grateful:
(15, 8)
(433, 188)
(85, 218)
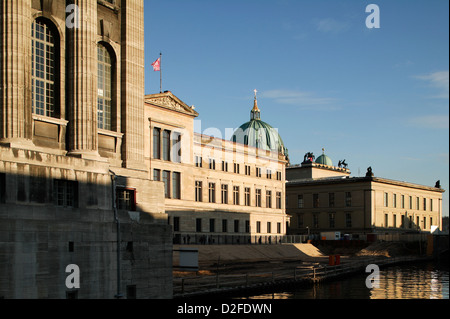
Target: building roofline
(167, 100)
(349, 179)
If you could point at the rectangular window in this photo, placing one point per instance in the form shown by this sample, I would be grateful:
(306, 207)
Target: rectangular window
(424, 204)
(198, 225)
(403, 201)
(235, 195)
(418, 203)
(224, 192)
(166, 180)
(279, 228)
(224, 225)
(176, 224)
(331, 199)
(38, 187)
(247, 196)
(156, 143)
(410, 202)
(236, 226)
(300, 201)
(258, 198)
(279, 176)
(212, 192)
(247, 226)
(410, 221)
(386, 220)
(278, 200)
(157, 175)
(166, 145)
(176, 183)
(394, 220)
(424, 222)
(417, 222)
(212, 225)
(212, 163)
(198, 191)
(247, 170)
(348, 220)
(268, 199)
(258, 172)
(66, 193)
(269, 227)
(315, 200)
(386, 200)
(198, 161)
(269, 174)
(316, 220)
(394, 201)
(332, 219)
(348, 199)
(224, 166)
(126, 199)
(431, 204)
(236, 168)
(258, 227)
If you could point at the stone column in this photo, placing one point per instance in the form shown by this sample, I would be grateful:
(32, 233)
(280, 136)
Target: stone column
(133, 84)
(82, 81)
(15, 72)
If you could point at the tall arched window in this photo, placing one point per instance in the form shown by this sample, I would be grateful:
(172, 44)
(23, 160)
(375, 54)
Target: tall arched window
(44, 73)
(104, 88)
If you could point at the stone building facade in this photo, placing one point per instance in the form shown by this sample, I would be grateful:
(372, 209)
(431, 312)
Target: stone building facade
(216, 191)
(74, 184)
(322, 197)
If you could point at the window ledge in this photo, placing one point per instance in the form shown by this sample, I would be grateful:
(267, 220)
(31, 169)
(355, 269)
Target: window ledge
(109, 133)
(50, 120)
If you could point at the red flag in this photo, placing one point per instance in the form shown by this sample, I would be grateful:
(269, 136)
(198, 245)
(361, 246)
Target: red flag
(157, 65)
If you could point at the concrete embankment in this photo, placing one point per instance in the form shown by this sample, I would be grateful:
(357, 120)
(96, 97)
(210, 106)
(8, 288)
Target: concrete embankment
(234, 269)
(212, 254)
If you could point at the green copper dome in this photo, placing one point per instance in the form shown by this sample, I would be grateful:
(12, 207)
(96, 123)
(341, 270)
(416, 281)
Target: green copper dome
(259, 134)
(325, 160)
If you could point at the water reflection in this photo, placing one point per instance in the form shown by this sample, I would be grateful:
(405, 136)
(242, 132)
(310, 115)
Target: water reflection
(412, 282)
(421, 281)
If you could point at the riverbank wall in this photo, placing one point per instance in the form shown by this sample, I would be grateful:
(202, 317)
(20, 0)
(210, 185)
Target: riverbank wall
(241, 270)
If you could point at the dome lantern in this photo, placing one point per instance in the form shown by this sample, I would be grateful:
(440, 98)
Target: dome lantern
(255, 114)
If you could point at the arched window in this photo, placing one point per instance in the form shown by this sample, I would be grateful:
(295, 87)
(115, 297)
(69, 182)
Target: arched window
(44, 70)
(104, 88)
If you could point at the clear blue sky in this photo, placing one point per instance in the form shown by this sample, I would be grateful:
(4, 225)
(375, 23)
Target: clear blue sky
(375, 97)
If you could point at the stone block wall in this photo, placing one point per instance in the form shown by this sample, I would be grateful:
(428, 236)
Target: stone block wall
(39, 237)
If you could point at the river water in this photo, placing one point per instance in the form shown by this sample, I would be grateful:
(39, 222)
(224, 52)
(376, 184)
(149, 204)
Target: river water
(424, 280)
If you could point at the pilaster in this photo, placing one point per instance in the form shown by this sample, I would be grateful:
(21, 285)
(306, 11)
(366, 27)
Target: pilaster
(15, 77)
(82, 81)
(133, 84)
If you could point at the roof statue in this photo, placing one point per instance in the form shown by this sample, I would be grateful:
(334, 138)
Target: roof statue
(309, 157)
(342, 164)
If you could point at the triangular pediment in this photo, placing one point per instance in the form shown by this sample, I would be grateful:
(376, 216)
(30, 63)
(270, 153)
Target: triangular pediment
(169, 101)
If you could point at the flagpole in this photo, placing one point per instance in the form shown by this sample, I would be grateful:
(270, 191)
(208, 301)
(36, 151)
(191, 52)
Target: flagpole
(160, 72)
